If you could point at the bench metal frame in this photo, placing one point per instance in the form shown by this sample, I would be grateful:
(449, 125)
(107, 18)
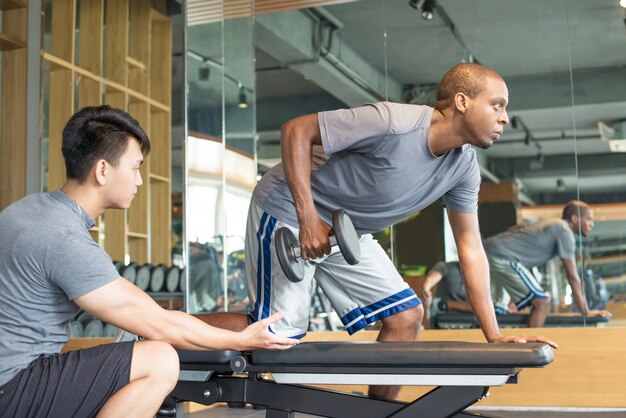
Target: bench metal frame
(461, 373)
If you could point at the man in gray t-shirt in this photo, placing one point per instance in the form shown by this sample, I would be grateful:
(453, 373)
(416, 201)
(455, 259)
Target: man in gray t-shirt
(446, 280)
(380, 163)
(50, 267)
(512, 254)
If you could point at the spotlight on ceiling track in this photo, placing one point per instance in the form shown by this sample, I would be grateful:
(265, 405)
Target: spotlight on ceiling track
(243, 99)
(427, 8)
(204, 72)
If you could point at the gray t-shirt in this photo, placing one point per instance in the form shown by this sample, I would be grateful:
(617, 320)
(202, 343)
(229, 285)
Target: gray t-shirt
(377, 165)
(47, 259)
(534, 244)
(452, 284)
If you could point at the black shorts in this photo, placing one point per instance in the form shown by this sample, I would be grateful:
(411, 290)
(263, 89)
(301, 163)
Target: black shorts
(74, 384)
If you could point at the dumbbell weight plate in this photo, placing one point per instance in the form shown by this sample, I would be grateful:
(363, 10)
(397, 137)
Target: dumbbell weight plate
(292, 266)
(347, 238)
(118, 266)
(109, 331)
(143, 277)
(76, 329)
(172, 279)
(182, 285)
(94, 329)
(129, 272)
(157, 278)
(84, 318)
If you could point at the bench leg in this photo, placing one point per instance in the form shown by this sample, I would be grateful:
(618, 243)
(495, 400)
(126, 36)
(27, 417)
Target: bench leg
(444, 401)
(278, 413)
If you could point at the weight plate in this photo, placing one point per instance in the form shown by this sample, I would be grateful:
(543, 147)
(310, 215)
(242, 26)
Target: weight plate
(157, 278)
(347, 238)
(143, 277)
(292, 266)
(129, 272)
(172, 279)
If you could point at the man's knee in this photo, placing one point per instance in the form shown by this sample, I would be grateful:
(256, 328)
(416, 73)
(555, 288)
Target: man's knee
(541, 303)
(147, 354)
(408, 319)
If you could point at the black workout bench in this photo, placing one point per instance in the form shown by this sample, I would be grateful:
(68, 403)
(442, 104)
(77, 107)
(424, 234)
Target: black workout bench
(464, 320)
(462, 373)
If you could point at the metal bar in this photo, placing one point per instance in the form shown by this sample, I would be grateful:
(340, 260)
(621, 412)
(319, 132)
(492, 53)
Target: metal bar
(442, 402)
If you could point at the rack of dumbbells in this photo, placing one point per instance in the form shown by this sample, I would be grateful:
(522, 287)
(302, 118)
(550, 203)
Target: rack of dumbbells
(161, 282)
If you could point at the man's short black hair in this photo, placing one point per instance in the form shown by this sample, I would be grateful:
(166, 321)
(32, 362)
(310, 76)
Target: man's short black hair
(98, 133)
(468, 78)
(574, 207)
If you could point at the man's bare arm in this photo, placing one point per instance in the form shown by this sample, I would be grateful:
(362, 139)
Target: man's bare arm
(297, 139)
(122, 304)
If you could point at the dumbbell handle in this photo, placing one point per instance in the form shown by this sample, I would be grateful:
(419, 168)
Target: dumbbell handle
(296, 248)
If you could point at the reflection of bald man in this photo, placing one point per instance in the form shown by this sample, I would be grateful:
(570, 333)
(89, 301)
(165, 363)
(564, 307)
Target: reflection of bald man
(513, 253)
(450, 294)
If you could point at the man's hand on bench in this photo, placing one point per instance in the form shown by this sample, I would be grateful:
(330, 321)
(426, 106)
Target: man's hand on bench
(257, 336)
(599, 312)
(524, 339)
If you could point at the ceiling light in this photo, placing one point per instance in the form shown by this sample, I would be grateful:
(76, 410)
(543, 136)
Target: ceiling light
(428, 9)
(243, 99)
(204, 72)
(622, 3)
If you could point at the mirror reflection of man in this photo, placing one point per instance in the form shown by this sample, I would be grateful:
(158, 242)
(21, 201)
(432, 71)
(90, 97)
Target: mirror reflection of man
(443, 289)
(512, 254)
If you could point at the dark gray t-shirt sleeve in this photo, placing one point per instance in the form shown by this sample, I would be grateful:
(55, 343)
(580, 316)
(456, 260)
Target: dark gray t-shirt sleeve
(463, 197)
(78, 265)
(565, 242)
(441, 268)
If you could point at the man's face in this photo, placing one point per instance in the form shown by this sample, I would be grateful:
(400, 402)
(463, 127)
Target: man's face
(125, 178)
(486, 114)
(586, 222)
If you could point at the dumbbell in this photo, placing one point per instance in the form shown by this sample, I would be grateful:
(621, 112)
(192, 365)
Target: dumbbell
(288, 247)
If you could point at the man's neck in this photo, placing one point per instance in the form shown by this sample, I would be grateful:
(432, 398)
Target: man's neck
(85, 196)
(444, 135)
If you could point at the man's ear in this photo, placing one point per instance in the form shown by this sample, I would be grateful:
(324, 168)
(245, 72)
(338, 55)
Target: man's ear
(101, 171)
(461, 101)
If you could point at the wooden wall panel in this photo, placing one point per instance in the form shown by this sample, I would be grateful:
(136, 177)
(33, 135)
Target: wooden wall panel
(206, 11)
(61, 101)
(91, 39)
(13, 106)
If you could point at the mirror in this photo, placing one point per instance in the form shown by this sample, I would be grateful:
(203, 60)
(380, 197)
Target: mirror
(372, 50)
(204, 150)
(239, 154)
(221, 159)
(596, 32)
(344, 55)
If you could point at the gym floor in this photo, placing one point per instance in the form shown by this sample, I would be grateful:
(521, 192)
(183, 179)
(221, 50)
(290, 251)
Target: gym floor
(222, 411)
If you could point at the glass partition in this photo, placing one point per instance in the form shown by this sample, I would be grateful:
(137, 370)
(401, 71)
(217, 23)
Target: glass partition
(596, 34)
(283, 65)
(204, 168)
(240, 151)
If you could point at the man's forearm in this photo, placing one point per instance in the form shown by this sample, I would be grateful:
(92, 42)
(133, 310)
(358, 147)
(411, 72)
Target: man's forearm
(296, 156)
(577, 293)
(189, 333)
(476, 273)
